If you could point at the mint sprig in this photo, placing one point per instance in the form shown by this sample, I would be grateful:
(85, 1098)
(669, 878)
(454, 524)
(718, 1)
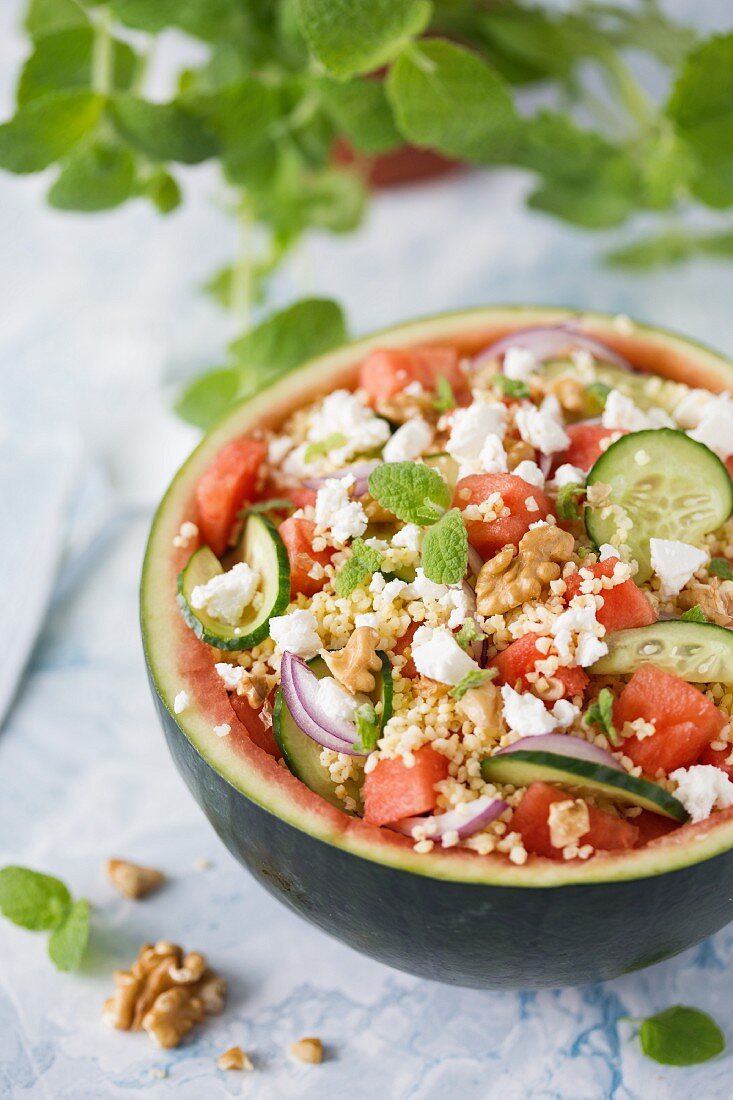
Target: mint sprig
(600, 714)
(43, 903)
(681, 1036)
(412, 492)
(445, 549)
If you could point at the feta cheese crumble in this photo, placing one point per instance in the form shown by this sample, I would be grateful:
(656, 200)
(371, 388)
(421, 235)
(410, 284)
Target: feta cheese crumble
(530, 472)
(702, 788)
(226, 595)
(525, 714)
(578, 633)
(542, 427)
(231, 675)
(715, 427)
(336, 513)
(181, 702)
(223, 730)
(519, 364)
(335, 700)
(470, 428)
(674, 563)
(438, 656)
(567, 474)
(621, 412)
(296, 632)
(409, 441)
(345, 413)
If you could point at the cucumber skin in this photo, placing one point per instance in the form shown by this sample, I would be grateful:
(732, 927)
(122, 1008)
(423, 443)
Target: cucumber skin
(610, 666)
(243, 641)
(511, 937)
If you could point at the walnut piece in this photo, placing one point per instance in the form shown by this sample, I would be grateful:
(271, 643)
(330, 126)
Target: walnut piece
(570, 392)
(131, 879)
(510, 579)
(482, 706)
(234, 1058)
(568, 822)
(354, 665)
(164, 993)
(715, 601)
(307, 1050)
(518, 451)
(255, 689)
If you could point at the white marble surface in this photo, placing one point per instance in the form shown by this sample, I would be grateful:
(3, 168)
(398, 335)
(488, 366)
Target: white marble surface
(99, 316)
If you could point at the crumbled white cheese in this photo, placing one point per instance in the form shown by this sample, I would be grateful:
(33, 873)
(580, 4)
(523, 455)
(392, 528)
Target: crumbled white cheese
(674, 563)
(621, 412)
(568, 474)
(181, 702)
(470, 428)
(530, 471)
(337, 513)
(578, 634)
(702, 788)
(519, 364)
(296, 632)
(606, 551)
(565, 713)
(715, 428)
(409, 537)
(689, 410)
(226, 595)
(223, 730)
(186, 532)
(232, 675)
(368, 618)
(525, 714)
(277, 448)
(411, 440)
(345, 413)
(542, 427)
(438, 656)
(424, 589)
(491, 460)
(333, 698)
(414, 389)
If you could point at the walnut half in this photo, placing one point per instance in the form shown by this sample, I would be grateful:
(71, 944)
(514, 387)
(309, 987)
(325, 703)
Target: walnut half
(164, 993)
(511, 578)
(354, 665)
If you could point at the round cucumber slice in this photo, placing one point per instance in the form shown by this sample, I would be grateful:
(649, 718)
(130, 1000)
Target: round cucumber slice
(647, 391)
(669, 486)
(262, 548)
(524, 767)
(701, 653)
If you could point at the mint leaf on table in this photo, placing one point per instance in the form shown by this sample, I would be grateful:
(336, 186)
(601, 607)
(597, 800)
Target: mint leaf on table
(412, 492)
(362, 113)
(600, 714)
(44, 17)
(63, 61)
(474, 678)
(47, 129)
(363, 563)
(33, 900)
(721, 567)
(568, 501)
(445, 97)
(98, 177)
(681, 1036)
(162, 131)
(68, 942)
(445, 549)
(350, 37)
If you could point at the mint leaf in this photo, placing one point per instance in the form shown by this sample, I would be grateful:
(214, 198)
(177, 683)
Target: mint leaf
(659, 250)
(445, 549)
(323, 446)
(63, 61)
(600, 714)
(694, 615)
(367, 728)
(363, 563)
(241, 117)
(98, 177)
(598, 393)
(31, 899)
(208, 396)
(447, 98)
(68, 941)
(469, 633)
(701, 104)
(509, 387)
(414, 493)
(47, 129)
(472, 679)
(362, 113)
(444, 397)
(568, 498)
(207, 19)
(357, 36)
(44, 17)
(681, 1036)
(721, 567)
(285, 340)
(162, 131)
(163, 191)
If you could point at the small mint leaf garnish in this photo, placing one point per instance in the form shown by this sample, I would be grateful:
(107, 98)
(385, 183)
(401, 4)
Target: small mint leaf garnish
(598, 392)
(510, 387)
(600, 714)
(721, 567)
(469, 633)
(323, 446)
(364, 562)
(568, 500)
(445, 549)
(472, 679)
(412, 492)
(367, 728)
(43, 903)
(68, 942)
(444, 397)
(694, 615)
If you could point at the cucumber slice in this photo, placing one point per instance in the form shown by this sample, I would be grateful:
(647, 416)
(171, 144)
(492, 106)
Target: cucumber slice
(303, 756)
(647, 391)
(681, 490)
(524, 767)
(701, 653)
(262, 548)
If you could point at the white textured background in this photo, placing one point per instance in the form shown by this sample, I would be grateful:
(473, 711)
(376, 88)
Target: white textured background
(98, 317)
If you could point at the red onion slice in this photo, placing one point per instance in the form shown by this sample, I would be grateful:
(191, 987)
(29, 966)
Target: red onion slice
(547, 341)
(360, 472)
(481, 813)
(563, 744)
(300, 691)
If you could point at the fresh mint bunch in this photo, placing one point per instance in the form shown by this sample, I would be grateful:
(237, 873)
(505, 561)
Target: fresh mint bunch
(43, 903)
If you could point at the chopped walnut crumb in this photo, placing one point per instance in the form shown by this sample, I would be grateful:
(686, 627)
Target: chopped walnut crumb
(234, 1058)
(307, 1050)
(164, 993)
(482, 706)
(354, 665)
(131, 879)
(568, 821)
(716, 602)
(510, 579)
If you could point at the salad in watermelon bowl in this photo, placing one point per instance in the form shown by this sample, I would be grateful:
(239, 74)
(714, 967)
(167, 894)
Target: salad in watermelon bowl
(440, 632)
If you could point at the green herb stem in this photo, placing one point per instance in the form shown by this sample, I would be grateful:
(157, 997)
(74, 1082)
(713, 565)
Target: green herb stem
(632, 95)
(102, 53)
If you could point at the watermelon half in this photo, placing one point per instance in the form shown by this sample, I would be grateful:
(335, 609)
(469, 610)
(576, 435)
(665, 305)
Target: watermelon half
(450, 915)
